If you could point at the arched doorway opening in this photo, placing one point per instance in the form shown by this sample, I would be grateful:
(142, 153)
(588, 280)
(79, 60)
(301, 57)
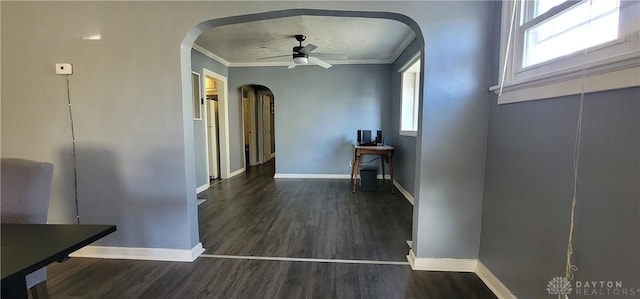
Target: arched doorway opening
(238, 159)
(258, 114)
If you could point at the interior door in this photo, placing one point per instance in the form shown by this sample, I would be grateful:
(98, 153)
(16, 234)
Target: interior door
(266, 126)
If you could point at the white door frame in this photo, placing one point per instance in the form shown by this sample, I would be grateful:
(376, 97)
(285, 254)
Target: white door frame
(253, 160)
(266, 121)
(211, 148)
(223, 115)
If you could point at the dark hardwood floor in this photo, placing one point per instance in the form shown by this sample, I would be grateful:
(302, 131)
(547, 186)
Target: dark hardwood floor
(256, 215)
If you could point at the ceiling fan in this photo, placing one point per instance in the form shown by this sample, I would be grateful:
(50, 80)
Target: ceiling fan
(301, 55)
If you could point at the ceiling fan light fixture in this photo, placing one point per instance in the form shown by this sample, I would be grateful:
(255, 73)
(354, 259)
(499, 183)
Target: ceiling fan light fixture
(300, 60)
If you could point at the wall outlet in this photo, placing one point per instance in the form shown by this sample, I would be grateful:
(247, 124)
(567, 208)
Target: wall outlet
(64, 69)
(351, 163)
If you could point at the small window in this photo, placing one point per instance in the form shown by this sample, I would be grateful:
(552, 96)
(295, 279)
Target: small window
(554, 28)
(553, 48)
(195, 90)
(410, 99)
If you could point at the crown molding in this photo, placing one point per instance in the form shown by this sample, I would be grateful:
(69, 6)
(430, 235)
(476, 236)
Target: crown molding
(403, 46)
(211, 55)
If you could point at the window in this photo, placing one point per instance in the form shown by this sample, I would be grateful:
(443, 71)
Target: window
(552, 48)
(195, 91)
(548, 35)
(410, 98)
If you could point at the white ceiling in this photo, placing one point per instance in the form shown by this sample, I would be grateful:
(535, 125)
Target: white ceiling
(363, 40)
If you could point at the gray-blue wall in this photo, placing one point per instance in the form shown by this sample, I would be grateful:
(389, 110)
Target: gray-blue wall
(198, 62)
(528, 190)
(317, 112)
(404, 160)
(453, 127)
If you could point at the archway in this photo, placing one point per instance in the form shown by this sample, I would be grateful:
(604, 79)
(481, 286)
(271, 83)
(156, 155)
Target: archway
(239, 158)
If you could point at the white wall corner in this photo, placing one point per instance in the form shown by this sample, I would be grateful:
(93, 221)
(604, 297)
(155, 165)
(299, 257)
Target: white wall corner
(237, 172)
(135, 253)
(404, 191)
(461, 265)
(202, 188)
(441, 264)
(493, 283)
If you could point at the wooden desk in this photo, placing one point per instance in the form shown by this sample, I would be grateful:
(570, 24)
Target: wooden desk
(386, 155)
(29, 247)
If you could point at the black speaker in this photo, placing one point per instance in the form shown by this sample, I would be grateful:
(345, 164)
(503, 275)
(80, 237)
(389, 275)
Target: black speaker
(366, 136)
(359, 137)
(379, 137)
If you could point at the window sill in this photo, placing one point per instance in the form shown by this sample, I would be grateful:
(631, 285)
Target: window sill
(616, 72)
(409, 133)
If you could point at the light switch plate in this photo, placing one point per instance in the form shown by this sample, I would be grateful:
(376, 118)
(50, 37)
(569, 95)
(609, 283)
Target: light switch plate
(64, 69)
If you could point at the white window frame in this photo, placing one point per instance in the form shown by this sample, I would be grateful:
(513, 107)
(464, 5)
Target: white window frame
(608, 66)
(196, 96)
(410, 68)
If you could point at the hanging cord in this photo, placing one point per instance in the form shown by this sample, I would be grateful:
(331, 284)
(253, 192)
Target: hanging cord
(73, 151)
(506, 55)
(570, 267)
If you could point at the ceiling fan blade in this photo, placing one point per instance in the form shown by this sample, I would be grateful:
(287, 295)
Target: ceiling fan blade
(292, 65)
(316, 60)
(308, 48)
(277, 56)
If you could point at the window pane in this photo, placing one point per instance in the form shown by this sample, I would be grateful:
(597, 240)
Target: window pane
(543, 6)
(585, 25)
(408, 92)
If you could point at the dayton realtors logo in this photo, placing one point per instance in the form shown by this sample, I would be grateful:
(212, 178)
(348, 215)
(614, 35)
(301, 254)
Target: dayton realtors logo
(560, 285)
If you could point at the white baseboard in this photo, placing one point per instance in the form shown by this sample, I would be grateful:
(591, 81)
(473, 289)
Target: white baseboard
(202, 188)
(237, 172)
(461, 265)
(441, 264)
(311, 176)
(404, 192)
(319, 176)
(493, 283)
(134, 253)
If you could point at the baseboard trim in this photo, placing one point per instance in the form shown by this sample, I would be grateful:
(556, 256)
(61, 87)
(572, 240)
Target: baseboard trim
(492, 282)
(202, 188)
(320, 176)
(310, 176)
(404, 192)
(135, 253)
(461, 265)
(237, 172)
(441, 264)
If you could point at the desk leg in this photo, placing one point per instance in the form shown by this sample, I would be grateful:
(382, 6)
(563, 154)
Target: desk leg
(353, 173)
(15, 288)
(355, 169)
(391, 172)
(382, 158)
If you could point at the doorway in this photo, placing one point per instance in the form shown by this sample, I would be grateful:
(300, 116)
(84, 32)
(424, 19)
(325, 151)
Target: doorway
(258, 109)
(213, 124)
(268, 138)
(216, 121)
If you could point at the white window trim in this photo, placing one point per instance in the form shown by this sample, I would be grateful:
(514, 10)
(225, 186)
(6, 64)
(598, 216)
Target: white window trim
(595, 69)
(410, 62)
(199, 104)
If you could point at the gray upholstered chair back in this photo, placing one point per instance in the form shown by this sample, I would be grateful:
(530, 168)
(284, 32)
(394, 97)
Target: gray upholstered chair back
(24, 197)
